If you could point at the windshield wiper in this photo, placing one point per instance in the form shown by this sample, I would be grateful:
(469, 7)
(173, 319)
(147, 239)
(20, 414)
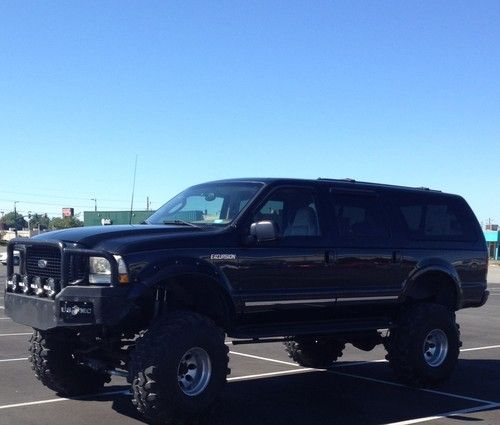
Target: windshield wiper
(181, 223)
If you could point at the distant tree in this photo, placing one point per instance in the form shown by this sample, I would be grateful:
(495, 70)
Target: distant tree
(13, 220)
(39, 219)
(65, 223)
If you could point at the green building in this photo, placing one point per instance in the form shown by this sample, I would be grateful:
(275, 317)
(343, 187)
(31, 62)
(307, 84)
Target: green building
(104, 218)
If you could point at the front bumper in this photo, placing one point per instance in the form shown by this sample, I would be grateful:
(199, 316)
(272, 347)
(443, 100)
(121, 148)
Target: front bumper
(72, 307)
(74, 302)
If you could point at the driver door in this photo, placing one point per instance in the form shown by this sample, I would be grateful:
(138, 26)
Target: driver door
(290, 271)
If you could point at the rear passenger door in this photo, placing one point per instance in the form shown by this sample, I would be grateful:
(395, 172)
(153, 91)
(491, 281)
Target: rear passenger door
(364, 265)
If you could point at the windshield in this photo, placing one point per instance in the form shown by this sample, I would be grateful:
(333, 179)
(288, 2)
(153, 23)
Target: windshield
(215, 204)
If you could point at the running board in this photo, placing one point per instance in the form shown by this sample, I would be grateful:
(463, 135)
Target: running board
(315, 328)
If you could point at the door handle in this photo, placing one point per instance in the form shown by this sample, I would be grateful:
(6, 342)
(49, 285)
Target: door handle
(330, 257)
(397, 257)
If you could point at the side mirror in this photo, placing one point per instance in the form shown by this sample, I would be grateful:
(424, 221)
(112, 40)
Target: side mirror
(264, 231)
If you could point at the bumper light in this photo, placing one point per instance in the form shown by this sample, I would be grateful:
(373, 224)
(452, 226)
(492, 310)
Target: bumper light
(12, 284)
(37, 286)
(24, 284)
(15, 282)
(50, 287)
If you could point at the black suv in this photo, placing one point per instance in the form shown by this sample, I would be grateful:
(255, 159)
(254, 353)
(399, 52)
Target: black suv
(313, 263)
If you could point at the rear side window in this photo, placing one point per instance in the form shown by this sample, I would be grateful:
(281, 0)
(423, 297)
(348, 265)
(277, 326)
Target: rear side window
(435, 218)
(358, 216)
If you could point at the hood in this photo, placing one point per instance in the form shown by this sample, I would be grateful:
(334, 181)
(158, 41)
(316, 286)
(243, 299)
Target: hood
(94, 236)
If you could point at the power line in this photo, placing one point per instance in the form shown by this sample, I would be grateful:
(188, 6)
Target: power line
(58, 204)
(58, 196)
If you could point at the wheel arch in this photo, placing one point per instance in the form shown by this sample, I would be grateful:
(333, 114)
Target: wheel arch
(435, 283)
(201, 293)
(193, 284)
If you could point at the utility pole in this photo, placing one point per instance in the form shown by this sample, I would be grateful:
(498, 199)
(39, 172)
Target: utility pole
(147, 203)
(15, 218)
(95, 204)
(29, 219)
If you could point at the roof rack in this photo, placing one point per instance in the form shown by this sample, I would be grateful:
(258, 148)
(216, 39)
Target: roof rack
(349, 180)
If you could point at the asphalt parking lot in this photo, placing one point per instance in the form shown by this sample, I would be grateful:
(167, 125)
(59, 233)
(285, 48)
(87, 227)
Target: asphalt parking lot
(265, 388)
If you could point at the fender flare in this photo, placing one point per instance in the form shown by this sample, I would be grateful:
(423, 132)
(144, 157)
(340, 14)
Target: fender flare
(161, 271)
(432, 266)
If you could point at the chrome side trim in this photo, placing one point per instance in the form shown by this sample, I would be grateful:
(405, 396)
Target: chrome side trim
(318, 300)
(386, 298)
(282, 302)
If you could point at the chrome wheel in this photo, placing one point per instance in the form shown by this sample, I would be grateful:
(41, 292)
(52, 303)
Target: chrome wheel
(194, 371)
(435, 348)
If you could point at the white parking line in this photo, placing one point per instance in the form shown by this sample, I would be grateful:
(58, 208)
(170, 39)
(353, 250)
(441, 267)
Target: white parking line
(425, 390)
(447, 415)
(2, 307)
(127, 392)
(18, 334)
(13, 360)
(264, 358)
(55, 400)
(264, 375)
(486, 404)
(362, 362)
(479, 348)
(4, 318)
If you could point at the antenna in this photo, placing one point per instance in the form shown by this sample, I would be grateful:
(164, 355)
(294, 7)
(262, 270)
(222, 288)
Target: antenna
(133, 191)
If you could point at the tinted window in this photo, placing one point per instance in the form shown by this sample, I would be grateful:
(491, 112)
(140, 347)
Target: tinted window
(358, 216)
(215, 204)
(435, 218)
(293, 210)
(413, 215)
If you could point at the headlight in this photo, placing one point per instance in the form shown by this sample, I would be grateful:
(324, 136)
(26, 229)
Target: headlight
(100, 270)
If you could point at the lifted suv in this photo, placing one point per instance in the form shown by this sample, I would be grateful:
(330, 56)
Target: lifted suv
(315, 264)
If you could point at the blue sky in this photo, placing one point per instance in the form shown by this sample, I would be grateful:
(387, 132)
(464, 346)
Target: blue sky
(403, 92)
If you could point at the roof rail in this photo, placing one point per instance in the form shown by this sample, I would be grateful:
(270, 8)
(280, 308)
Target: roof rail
(347, 179)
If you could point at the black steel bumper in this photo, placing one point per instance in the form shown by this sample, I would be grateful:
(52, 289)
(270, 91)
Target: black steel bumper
(72, 307)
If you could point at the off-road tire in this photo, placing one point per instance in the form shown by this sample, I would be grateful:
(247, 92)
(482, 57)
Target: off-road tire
(54, 365)
(317, 353)
(154, 368)
(405, 344)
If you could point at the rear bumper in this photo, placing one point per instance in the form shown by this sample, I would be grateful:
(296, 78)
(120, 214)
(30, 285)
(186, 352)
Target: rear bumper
(72, 307)
(474, 295)
(486, 295)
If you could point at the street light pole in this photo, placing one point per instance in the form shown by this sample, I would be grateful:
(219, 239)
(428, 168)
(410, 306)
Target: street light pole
(95, 204)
